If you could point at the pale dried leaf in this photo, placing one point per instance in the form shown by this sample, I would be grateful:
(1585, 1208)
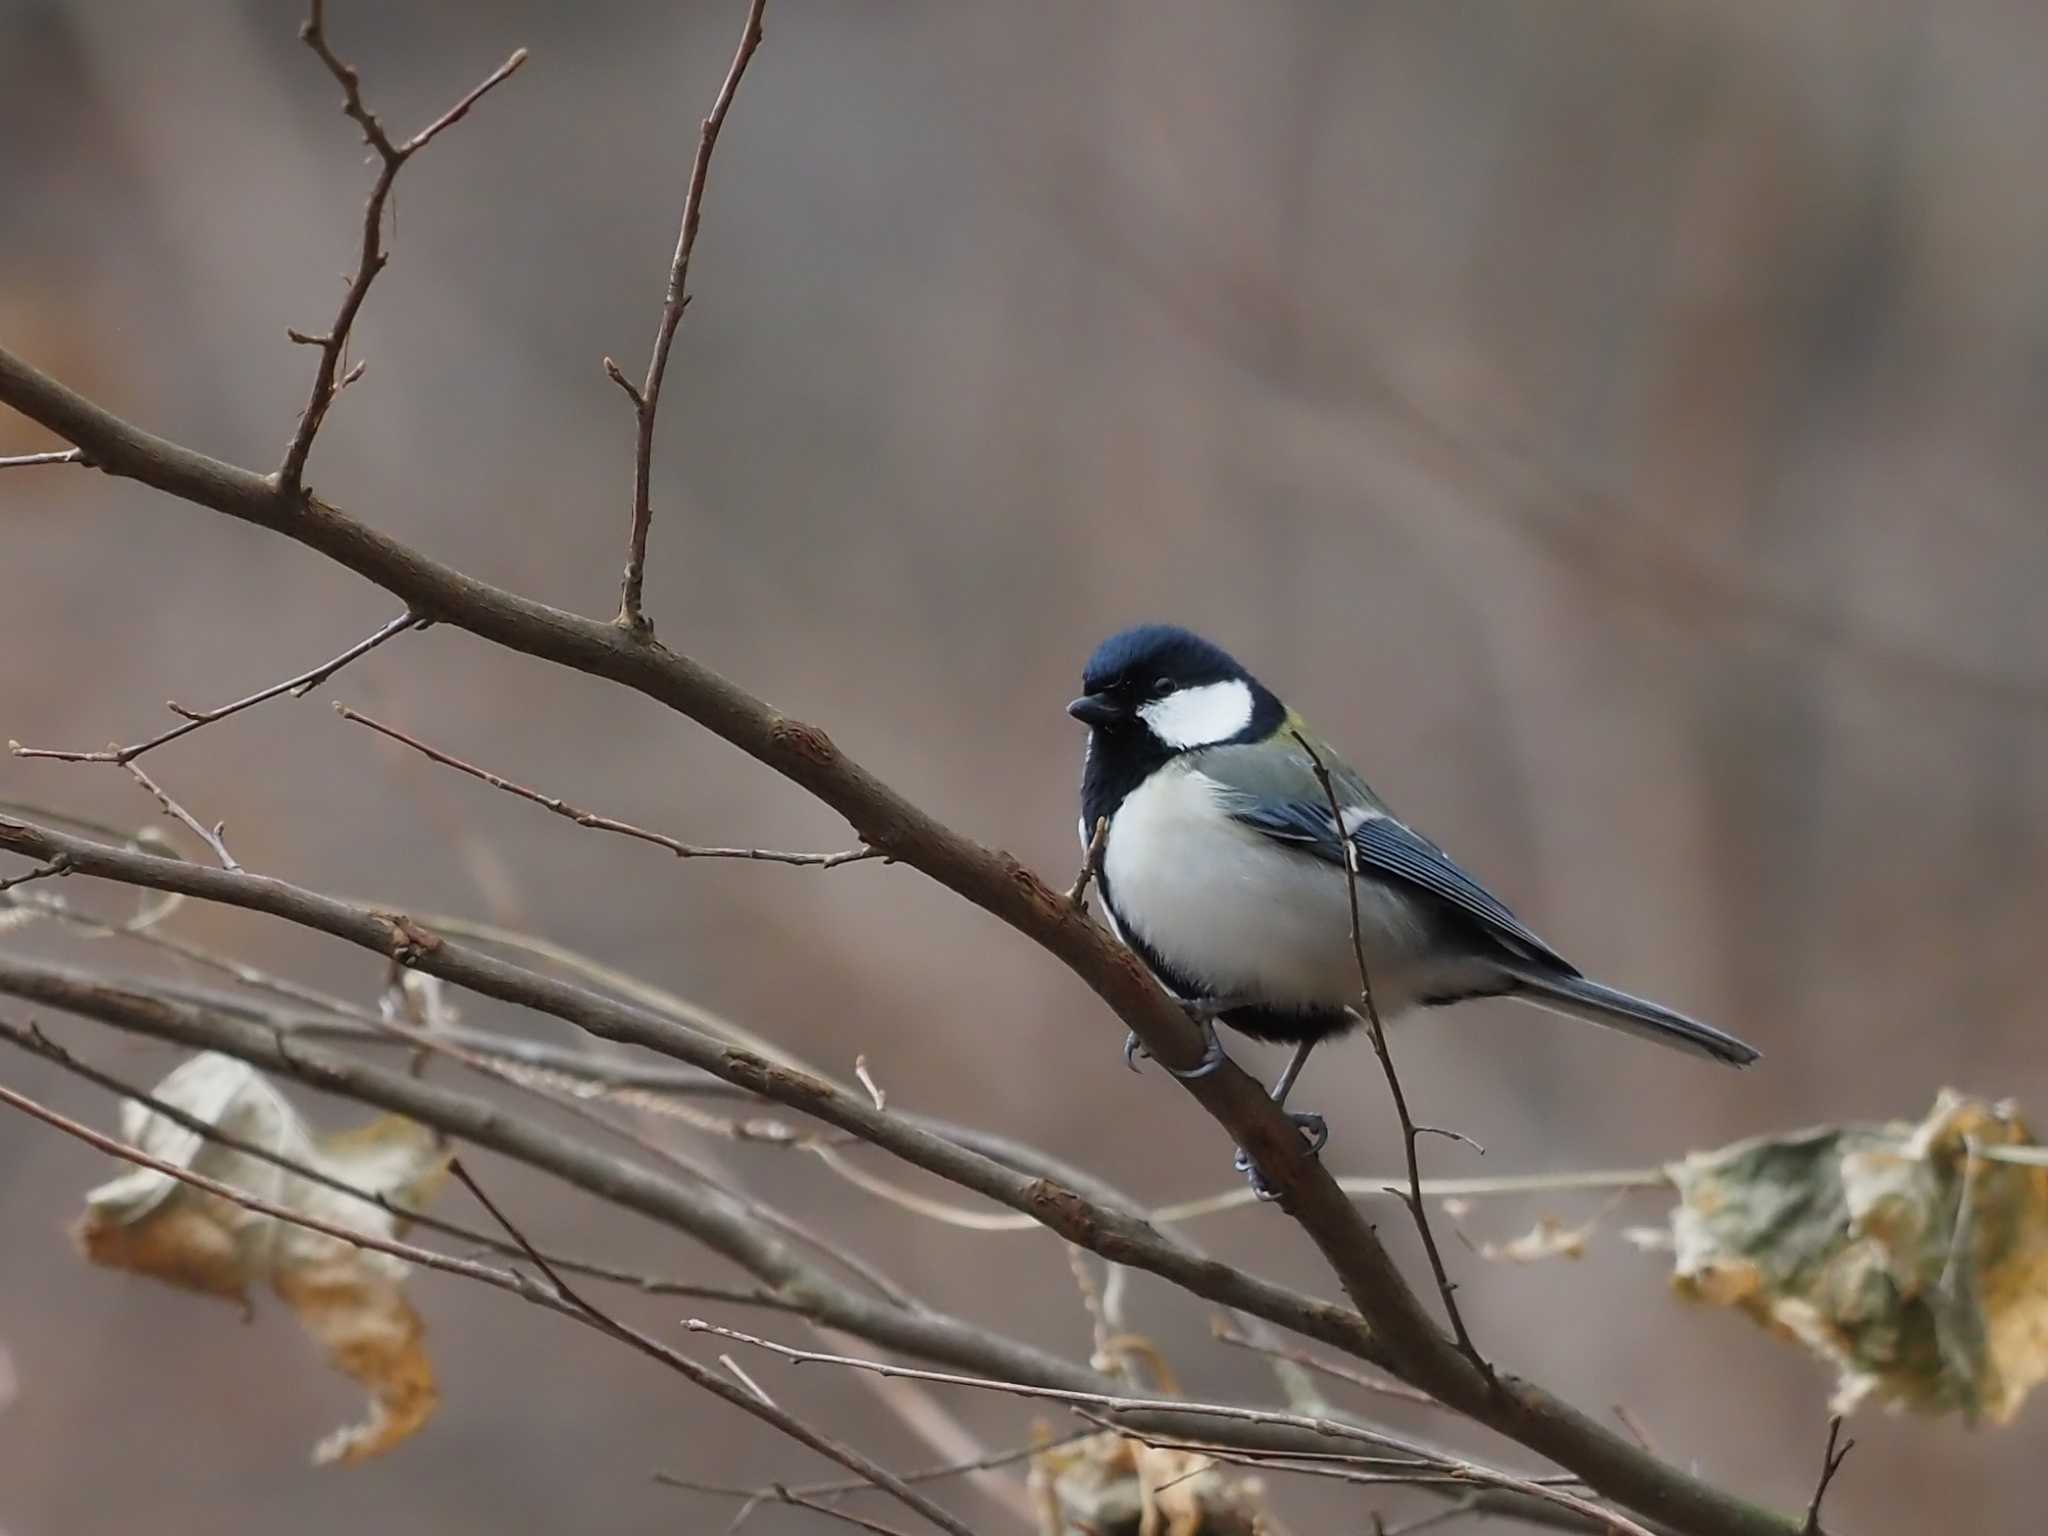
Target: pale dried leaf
(1919, 1270)
(1548, 1239)
(349, 1299)
(1111, 1485)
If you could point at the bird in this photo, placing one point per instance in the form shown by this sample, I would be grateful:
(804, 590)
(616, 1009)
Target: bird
(1232, 844)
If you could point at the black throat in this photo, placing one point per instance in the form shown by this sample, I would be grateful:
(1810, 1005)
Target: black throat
(1119, 760)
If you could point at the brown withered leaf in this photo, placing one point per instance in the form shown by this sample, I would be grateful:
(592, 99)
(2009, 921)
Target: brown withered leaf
(350, 1300)
(1897, 1252)
(1112, 1485)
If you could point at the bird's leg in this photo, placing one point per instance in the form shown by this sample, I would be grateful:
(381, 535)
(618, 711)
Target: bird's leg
(1312, 1126)
(1204, 1011)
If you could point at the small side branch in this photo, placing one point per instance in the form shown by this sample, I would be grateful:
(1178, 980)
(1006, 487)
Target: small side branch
(1091, 864)
(606, 823)
(1410, 1131)
(647, 398)
(214, 837)
(193, 719)
(1831, 1461)
(26, 460)
(328, 378)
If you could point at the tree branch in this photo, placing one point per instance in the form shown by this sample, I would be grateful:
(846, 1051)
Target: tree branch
(603, 823)
(1411, 1133)
(373, 258)
(795, 1284)
(194, 718)
(647, 398)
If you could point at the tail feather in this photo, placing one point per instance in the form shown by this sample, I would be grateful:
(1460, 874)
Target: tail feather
(1578, 998)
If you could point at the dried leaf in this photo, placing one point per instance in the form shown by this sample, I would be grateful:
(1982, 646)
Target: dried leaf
(1112, 1485)
(349, 1299)
(1548, 1239)
(1918, 1269)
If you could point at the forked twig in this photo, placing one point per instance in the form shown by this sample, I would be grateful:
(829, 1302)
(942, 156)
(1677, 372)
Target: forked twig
(1091, 864)
(1830, 1463)
(1410, 1131)
(333, 344)
(214, 837)
(647, 398)
(193, 719)
(605, 823)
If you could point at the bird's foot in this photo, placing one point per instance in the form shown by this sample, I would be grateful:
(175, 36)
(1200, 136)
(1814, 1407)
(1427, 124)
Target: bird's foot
(1204, 1012)
(1314, 1129)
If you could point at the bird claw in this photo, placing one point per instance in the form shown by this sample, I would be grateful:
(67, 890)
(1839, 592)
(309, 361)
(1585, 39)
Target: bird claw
(1212, 1056)
(1312, 1126)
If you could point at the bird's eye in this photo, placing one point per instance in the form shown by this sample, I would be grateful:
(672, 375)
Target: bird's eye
(1162, 686)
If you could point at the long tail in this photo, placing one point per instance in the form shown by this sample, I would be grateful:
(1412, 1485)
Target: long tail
(1579, 998)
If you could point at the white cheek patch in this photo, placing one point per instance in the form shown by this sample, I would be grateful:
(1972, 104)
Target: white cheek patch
(1200, 717)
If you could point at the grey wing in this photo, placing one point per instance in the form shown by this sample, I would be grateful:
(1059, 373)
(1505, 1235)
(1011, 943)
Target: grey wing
(1391, 851)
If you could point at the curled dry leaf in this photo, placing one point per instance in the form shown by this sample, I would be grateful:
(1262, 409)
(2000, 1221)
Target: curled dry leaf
(1916, 1267)
(350, 1300)
(1112, 1485)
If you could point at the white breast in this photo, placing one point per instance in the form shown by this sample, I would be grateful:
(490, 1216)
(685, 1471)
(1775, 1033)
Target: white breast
(1247, 917)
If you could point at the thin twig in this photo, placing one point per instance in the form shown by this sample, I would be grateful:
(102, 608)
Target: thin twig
(213, 837)
(193, 719)
(1552, 1494)
(603, 823)
(759, 1406)
(57, 866)
(61, 456)
(1410, 1132)
(573, 1104)
(647, 399)
(1091, 862)
(1415, 1461)
(373, 258)
(1379, 1439)
(986, 1463)
(1399, 1391)
(1830, 1463)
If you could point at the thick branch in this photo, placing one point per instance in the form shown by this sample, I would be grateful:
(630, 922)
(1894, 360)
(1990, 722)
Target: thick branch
(1403, 1333)
(795, 1284)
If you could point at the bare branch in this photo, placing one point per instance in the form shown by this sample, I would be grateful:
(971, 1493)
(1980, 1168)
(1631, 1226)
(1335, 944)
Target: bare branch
(1091, 862)
(604, 823)
(800, 1286)
(373, 256)
(43, 871)
(195, 718)
(1411, 1459)
(211, 836)
(1386, 1387)
(1410, 1131)
(1830, 1463)
(829, 1490)
(647, 398)
(25, 460)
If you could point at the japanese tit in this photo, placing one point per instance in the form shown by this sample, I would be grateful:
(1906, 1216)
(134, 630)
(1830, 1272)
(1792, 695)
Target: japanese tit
(1223, 868)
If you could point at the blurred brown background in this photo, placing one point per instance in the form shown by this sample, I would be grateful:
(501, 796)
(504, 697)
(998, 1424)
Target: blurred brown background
(1618, 424)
